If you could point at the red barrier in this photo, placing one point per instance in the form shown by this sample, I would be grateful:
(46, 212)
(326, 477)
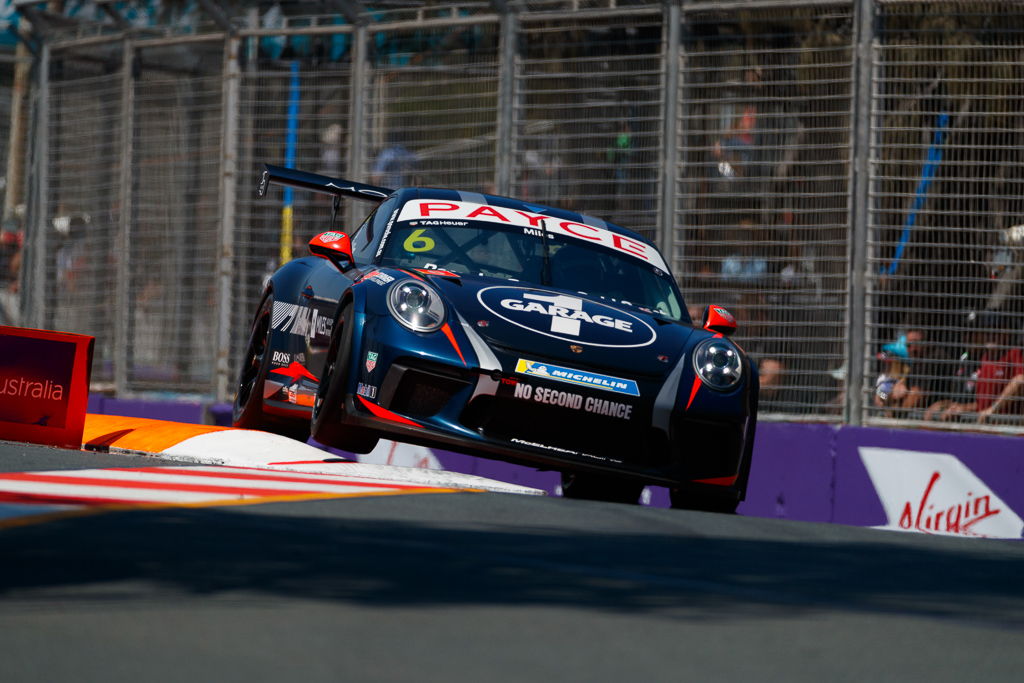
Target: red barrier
(44, 385)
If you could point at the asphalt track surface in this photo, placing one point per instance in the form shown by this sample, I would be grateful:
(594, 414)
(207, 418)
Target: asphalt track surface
(492, 587)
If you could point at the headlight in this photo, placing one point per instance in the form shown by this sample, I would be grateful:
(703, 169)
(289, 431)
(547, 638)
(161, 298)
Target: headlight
(718, 363)
(416, 306)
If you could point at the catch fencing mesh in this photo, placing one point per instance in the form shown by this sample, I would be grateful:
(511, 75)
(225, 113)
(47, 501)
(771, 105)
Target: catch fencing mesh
(946, 306)
(763, 200)
(589, 116)
(81, 210)
(173, 226)
(316, 98)
(745, 170)
(431, 104)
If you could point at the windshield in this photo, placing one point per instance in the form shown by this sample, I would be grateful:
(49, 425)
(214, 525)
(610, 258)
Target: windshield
(491, 249)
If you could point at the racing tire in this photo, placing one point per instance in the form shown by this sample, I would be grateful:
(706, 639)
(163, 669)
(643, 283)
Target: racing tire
(586, 486)
(329, 404)
(247, 412)
(703, 502)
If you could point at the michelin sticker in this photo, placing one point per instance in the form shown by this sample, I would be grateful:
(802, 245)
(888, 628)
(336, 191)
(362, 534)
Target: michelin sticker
(579, 377)
(568, 318)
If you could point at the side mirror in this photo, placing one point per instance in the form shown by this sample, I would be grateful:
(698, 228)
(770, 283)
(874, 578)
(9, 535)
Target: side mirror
(336, 247)
(717, 319)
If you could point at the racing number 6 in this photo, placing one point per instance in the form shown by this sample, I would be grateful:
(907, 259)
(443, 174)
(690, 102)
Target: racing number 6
(416, 242)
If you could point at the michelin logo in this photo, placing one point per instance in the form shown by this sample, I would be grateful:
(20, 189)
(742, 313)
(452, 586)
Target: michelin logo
(578, 377)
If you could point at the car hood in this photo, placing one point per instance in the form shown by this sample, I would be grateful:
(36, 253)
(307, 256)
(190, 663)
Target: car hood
(533, 323)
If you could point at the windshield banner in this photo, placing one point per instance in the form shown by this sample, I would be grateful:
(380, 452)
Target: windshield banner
(436, 209)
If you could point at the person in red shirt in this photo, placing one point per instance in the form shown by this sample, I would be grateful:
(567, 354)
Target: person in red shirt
(997, 382)
(1000, 386)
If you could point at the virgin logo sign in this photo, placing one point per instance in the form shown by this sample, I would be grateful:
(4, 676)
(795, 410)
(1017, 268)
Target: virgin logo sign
(958, 518)
(935, 493)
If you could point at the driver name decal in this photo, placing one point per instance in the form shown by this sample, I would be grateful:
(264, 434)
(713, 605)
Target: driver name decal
(423, 210)
(567, 317)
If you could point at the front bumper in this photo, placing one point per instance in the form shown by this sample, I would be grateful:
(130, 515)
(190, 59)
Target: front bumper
(475, 412)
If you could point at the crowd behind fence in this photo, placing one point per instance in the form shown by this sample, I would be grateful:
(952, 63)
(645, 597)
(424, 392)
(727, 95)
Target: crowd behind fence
(844, 176)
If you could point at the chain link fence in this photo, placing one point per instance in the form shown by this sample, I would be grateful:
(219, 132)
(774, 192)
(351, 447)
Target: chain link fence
(845, 176)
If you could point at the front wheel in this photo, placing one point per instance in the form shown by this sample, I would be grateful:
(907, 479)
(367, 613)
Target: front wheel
(329, 404)
(587, 486)
(248, 412)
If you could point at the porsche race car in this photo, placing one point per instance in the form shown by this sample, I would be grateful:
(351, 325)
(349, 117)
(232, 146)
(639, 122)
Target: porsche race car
(501, 329)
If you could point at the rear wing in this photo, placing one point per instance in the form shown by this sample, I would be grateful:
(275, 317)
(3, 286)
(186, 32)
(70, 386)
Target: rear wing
(314, 182)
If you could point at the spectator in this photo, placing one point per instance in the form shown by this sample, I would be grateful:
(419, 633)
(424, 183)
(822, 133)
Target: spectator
(899, 387)
(743, 265)
(11, 239)
(394, 168)
(1008, 402)
(734, 149)
(988, 385)
(777, 392)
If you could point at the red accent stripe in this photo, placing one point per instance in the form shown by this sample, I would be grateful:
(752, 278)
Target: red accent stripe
(696, 380)
(57, 499)
(386, 414)
(413, 274)
(718, 481)
(294, 371)
(309, 462)
(451, 337)
(693, 391)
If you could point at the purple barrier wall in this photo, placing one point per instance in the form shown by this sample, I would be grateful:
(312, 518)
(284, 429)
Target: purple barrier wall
(791, 476)
(968, 484)
(173, 411)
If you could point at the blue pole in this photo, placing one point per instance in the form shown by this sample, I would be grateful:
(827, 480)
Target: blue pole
(290, 141)
(927, 173)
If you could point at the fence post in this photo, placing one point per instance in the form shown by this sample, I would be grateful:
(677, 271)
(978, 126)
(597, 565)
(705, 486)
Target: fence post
(32, 285)
(357, 115)
(122, 305)
(505, 151)
(228, 197)
(670, 133)
(856, 337)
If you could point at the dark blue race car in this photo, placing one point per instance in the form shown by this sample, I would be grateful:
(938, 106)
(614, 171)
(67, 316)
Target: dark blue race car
(506, 330)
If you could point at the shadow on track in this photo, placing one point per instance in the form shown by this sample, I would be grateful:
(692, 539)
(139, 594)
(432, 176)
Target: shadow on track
(676, 572)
